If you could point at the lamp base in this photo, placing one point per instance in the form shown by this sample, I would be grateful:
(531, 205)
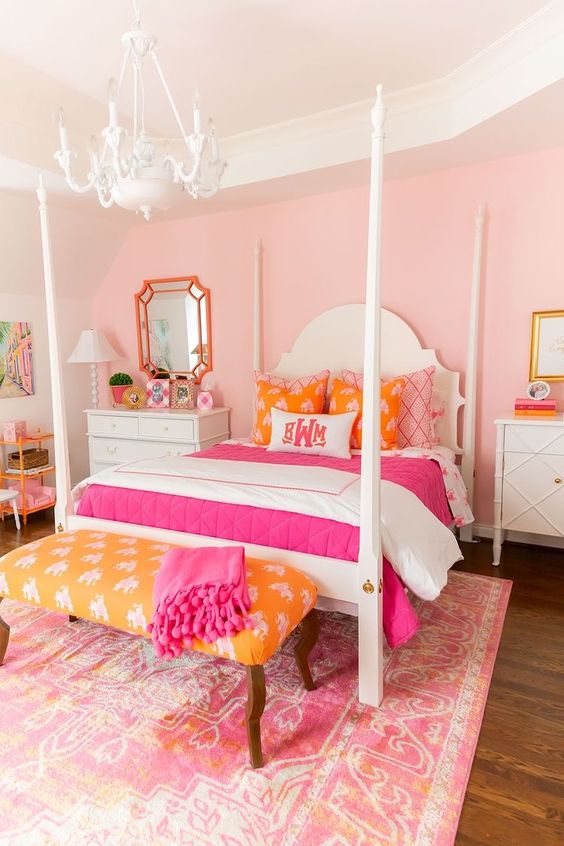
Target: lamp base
(94, 384)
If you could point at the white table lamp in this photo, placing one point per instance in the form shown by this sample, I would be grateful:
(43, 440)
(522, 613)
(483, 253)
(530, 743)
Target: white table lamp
(93, 348)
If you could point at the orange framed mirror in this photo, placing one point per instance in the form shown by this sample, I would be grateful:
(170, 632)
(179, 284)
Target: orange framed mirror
(174, 327)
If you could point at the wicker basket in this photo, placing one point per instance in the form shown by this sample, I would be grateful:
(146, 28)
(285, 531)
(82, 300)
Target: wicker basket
(30, 458)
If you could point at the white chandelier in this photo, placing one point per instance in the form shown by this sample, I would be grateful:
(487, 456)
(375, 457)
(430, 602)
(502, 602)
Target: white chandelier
(129, 171)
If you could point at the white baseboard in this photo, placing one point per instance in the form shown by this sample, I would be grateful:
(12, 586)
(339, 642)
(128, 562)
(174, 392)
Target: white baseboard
(482, 530)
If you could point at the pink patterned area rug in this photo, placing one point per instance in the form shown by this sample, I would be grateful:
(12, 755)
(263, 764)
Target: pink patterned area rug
(100, 744)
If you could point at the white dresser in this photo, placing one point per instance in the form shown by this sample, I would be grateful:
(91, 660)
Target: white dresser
(119, 435)
(529, 478)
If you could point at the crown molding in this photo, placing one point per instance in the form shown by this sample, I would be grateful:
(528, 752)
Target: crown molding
(523, 62)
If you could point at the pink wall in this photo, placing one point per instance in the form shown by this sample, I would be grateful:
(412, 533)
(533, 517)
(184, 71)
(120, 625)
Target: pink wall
(315, 258)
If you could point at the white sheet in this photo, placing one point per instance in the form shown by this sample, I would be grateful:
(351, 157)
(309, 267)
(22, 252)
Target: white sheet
(419, 547)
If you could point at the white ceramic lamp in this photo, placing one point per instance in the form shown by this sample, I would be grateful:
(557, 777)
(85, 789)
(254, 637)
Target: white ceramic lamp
(93, 348)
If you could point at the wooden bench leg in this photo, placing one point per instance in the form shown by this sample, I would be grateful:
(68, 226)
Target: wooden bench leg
(308, 639)
(4, 636)
(256, 697)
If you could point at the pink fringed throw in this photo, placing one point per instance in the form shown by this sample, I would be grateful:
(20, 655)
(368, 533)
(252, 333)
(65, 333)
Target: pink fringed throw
(199, 593)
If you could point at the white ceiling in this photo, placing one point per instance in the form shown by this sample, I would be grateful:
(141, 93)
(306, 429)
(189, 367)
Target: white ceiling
(289, 83)
(259, 62)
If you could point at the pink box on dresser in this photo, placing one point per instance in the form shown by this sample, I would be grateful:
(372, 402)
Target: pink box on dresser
(14, 430)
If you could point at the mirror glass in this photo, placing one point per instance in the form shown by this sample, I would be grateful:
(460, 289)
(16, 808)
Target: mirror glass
(174, 327)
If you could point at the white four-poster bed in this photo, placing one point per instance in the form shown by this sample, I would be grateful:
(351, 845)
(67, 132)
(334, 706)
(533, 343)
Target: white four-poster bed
(363, 338)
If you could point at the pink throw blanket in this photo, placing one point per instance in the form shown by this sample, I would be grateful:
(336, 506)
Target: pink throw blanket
(198, 593)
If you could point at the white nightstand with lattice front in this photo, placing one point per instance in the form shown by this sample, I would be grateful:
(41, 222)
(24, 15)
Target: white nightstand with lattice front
(529, 478)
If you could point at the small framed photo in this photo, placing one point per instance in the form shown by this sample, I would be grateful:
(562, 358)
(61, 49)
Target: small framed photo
(134, 397)
(538, 390)
(158, 393)
(182, 393)
(547, 347)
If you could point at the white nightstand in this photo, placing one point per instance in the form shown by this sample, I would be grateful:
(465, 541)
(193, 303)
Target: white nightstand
(118, 435)
(529, 477)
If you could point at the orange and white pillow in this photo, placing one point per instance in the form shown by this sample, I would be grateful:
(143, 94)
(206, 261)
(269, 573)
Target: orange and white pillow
(312, 434)
(345, 397)
(305, 395)
(415, 420)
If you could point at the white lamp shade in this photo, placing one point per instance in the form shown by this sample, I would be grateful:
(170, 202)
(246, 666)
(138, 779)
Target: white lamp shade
(92, 347)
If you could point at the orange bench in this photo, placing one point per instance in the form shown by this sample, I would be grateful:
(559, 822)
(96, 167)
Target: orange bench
(108, 578)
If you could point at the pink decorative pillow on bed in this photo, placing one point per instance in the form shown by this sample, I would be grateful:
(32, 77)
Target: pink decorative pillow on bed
(414, 424)
(312, 434)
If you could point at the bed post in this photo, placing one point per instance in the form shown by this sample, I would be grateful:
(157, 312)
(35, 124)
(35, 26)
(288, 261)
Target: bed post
(369, 589)
(62, 472)
(257, 304)
(469, 430)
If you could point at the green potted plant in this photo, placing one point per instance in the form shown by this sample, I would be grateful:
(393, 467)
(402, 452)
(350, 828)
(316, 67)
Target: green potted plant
(118, 383)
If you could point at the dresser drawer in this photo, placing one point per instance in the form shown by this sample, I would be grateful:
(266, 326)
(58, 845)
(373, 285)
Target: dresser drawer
(542, 439)
(533, 493)
(116, 451)
(153, 427)
(112, 424)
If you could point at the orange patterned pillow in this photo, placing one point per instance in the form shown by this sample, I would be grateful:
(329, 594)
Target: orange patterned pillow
(305, 395)
(348, 398)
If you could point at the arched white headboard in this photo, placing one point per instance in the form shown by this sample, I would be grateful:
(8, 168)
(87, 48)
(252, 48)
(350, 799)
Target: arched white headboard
(335, 340)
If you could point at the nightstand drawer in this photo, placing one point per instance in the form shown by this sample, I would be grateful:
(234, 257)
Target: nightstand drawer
(153, 427)
(116, 451)
(112, 424)
(542, 439)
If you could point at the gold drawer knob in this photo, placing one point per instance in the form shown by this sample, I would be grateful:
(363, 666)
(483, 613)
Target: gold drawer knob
(558, 481)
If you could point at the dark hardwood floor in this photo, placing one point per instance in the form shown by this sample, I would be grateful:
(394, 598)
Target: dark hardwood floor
(515, 795)
(516, 790)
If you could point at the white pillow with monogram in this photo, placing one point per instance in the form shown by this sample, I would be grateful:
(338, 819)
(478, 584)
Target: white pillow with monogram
(312, 434)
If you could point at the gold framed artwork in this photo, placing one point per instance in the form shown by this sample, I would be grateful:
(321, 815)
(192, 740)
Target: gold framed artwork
(134, 397)
(547, 346)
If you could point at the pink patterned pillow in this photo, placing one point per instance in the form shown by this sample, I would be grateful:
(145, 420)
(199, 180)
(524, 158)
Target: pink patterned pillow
(414, 425)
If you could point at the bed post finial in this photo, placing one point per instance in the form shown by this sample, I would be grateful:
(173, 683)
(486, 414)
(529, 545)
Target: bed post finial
(370, 634)
(469, 429)
(257, 310)
(378, 113)
(62, 471)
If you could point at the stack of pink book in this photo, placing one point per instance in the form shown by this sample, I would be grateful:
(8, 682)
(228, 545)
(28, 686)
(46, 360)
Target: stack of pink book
(527, 407)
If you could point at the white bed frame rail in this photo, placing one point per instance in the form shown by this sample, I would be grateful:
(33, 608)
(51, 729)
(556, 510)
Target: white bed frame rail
(362, 331)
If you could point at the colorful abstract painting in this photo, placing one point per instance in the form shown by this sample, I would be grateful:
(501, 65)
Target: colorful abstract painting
(16, 359)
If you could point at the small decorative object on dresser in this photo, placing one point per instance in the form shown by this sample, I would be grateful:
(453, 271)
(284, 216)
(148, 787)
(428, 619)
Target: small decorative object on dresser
(119, 435)
(538, 390)
(134, 397)
(529, 478)
(118, 383)
(182, 393)
(547, 346)
(205, 399)
(158, 393)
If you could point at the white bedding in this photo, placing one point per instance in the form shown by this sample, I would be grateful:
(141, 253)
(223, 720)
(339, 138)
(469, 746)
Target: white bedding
(419, 547)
